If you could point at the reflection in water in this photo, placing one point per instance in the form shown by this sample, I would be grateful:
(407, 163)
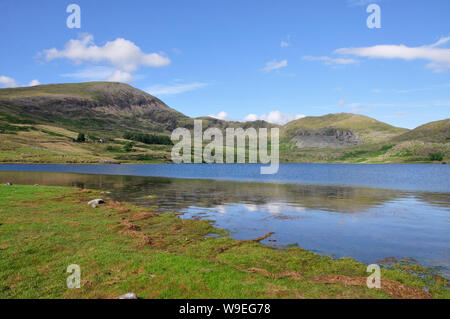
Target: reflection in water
(368, 224)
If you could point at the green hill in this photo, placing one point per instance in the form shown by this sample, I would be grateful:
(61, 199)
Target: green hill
(41, 124)
(97, 107)
(436, 132)
(103, 108)
(365, 128)
(428, 142)
(353, 138)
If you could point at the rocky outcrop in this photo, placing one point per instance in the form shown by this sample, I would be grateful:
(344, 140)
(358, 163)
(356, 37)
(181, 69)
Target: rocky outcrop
(325, 137)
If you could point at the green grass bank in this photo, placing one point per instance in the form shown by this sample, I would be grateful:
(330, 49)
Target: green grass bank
(123, 248)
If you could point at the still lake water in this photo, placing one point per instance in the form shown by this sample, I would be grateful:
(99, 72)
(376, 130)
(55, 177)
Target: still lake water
(368, 212)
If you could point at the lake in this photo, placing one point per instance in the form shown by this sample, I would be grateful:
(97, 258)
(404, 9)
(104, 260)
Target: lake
(368, 212)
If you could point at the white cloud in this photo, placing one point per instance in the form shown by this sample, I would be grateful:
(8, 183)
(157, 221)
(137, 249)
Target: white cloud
(274, 65)
(439, 58)
(34, 82)
(415, 90)
(125, 56)
(341, 102)
(177, 51)
(7, 82)
(440, 42)
(174, 88)
(275, 117)
(330, 61)
(220, 116)
(441, 103)
(96, 73)
(408, 91)
(121, 76)
(100, 73)
(284, 44)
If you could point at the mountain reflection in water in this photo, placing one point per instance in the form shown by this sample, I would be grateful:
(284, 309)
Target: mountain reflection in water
(367, 224)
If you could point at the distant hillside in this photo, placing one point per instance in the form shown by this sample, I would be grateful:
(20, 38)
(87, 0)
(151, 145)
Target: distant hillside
(428, 142)
(338, 130)
(352, 138)
(221, 124)
(437, 132)
(41, 124)
(100, 107)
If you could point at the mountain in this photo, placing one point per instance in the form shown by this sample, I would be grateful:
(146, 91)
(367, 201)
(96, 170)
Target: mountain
(428, 142)
(41, 124)
(101, 107)
(338, 130)
(346, 137)
(436, 132)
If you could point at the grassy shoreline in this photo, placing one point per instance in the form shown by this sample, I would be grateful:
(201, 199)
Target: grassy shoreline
(163, 162)
(46, 144)
(124, 248)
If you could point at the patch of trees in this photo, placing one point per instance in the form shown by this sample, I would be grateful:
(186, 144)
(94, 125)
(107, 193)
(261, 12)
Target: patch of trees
(148, 138)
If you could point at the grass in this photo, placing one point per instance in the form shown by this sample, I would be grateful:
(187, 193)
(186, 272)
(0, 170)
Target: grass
(29, 120)
(367, 128)
(438, 131)
(24, 142)
(122, 248)
(103, 110)
(49, 144)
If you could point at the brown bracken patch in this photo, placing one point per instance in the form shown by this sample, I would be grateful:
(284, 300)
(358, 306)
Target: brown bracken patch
(392, 288)
(284, 274)
(134, 231)
(238, 243)
(263, 237)
(137, 216)
(387, 260)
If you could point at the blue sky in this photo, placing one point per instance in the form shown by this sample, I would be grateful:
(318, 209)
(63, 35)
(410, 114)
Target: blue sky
(274, 60)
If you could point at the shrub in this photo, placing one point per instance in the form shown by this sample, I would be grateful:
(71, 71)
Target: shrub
(436, 156)
(128, 147)
(81, 138)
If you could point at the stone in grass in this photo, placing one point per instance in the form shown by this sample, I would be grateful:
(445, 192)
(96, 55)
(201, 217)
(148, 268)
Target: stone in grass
(96, 202)
(130, 295)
